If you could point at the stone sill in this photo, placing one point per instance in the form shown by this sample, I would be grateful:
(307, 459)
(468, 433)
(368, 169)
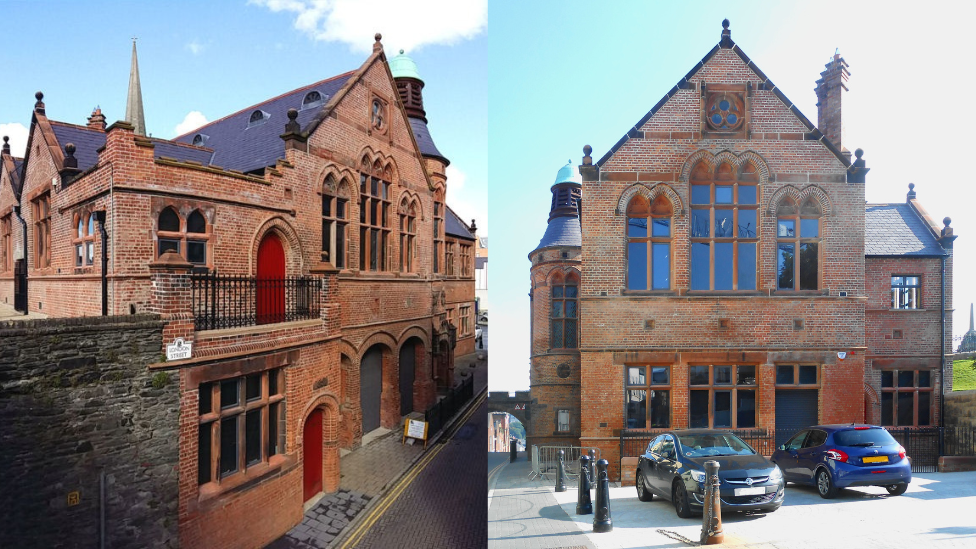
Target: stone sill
(248, 479)
(258, 329)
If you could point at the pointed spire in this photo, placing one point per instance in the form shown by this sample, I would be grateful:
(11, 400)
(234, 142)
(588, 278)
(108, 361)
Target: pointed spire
(133, 105)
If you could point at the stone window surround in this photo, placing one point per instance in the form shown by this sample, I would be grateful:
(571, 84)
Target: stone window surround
(649, 386)
(732, 387)
(84, 238)
(915, 389)
(183, 209)
(335, 195)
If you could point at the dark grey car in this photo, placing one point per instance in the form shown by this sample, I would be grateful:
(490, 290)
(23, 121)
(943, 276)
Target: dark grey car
(673, 467)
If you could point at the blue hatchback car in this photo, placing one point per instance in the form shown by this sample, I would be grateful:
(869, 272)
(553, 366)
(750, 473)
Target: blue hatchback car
(832, 457)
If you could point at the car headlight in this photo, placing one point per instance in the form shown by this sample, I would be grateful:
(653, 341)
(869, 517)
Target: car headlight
(777, 474)
(699, 476)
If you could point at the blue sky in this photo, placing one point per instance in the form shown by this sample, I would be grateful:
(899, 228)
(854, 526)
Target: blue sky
(217, 57)
(570, 73)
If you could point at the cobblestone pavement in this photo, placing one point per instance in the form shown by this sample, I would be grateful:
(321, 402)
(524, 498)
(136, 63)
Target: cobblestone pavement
(445, 505)
(323, 522)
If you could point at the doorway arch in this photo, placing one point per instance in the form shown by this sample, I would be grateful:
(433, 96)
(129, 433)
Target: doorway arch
(371, 387)
(312, 461)
(270, 280)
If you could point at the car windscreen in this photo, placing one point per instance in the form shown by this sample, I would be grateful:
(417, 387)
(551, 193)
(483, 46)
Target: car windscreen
(701, 445)
(864, 437)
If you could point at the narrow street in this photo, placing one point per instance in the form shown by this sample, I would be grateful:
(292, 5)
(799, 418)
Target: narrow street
(441, 502)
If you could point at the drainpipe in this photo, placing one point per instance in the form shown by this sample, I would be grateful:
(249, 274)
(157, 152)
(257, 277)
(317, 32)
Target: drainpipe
(24, 234)
(100, 216)
(942, 353)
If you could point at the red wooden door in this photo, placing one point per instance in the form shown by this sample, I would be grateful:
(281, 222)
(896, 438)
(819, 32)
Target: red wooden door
(312, 467)
(271, 281)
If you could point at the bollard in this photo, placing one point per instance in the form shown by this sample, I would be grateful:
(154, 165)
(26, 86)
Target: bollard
(583, 504)
(592, 465)
(712, 533)
(512, 451)
(601, 520)
(561, 474)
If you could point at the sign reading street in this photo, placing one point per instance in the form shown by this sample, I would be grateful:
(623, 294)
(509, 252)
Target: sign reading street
(178, 350)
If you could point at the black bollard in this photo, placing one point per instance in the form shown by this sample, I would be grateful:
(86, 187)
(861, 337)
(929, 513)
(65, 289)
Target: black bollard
(583, 504)
(561, 474)
(601, 520)
(512, 451)
(712, 532)
(592, 465)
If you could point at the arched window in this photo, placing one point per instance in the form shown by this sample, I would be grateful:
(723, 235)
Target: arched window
(312, 99)
(257, 118)
(438, 231)
(724, 235)
(564, 313)
(374, 220)
(189, 241)
(798, 245)
(84, 241)
(649, 244)
(334, 221)
(408, 236)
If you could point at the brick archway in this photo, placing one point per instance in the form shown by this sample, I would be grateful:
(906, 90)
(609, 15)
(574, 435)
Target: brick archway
(517, 405)
(294, 256)
(321, 415)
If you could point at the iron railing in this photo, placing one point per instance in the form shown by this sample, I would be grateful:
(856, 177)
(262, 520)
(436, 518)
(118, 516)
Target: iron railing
(924, 445)
(227, 301)
(445, 408)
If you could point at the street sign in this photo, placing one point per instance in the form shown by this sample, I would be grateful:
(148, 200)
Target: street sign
(178, 350)
(415, 429)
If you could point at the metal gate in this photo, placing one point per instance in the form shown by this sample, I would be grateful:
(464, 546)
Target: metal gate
(795, 410)
(20, 285)
(371, 387)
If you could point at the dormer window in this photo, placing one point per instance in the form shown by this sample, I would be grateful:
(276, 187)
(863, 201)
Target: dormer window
(312, 99)
(258, 117)
(199, 139)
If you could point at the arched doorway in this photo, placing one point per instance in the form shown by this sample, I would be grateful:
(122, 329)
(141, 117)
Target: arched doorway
(408, 364)
(312, 463)
(442, 366)
(271, 280)
(371, 387)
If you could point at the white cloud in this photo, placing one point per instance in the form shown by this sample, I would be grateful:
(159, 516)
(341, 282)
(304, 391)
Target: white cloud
(17, 133)
(467, 203)
(192, 121)
(195, 47)
(407, 25)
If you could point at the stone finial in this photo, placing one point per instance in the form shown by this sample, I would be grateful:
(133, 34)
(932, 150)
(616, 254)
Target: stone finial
(378, 45)
(911, 191)
(69, 156)
(946, 221)
(292, 126)
(947, 230)
(858, 170)
(6, 144)
(587, 159)
(474, 226)
(726, 41)
(39, 105)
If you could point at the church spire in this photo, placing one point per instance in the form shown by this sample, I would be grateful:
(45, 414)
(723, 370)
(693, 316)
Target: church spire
(133, 105)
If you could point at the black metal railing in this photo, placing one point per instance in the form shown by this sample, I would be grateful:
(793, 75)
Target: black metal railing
(227, 301)
(922, 444)
(445, 408)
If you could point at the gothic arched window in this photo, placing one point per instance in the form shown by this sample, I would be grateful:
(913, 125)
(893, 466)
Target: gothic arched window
(798, 245)
(649, 244)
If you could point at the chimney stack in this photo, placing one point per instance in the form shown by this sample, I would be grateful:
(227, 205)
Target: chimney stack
(97, 120)
(830, 89)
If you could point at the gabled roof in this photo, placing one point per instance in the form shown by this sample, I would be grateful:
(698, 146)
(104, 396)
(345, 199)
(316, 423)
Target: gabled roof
(13, 166)
(86, 140)
(455, 227)
(898, 230)
(764, 84)
(236, 146)
(562, 231)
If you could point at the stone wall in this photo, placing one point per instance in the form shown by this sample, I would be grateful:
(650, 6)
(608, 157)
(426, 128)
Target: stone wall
(76, 401)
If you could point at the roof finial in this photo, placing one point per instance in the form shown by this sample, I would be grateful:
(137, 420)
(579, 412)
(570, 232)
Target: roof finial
(911, 191)
(726, 41)
(39, 105)
(133, 106)
(6, 144)
(378, 46)
(587, 159)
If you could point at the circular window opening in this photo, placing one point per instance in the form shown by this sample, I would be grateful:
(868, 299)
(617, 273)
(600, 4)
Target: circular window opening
(562, 370)
(725, 112)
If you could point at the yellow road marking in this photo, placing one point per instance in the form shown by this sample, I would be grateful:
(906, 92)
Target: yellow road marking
(390, 498)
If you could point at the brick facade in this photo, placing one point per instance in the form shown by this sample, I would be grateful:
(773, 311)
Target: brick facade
(132, 183)
(835, 326)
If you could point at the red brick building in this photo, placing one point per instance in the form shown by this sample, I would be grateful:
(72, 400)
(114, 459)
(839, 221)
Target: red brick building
(300, 247)
(727, 273)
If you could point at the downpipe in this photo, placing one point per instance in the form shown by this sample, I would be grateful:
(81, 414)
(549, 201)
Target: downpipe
(23, 233)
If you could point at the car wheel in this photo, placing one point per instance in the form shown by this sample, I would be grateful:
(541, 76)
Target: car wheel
(643, 493)
(825, 486)
(680, 498)
(896, 489)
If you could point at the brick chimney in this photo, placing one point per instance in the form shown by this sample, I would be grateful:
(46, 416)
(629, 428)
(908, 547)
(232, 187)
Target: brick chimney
(97, 120)
(831, 88)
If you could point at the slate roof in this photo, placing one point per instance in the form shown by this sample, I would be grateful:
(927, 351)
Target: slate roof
(424, 141)
(562, 231)
(480, 262)
(86, 141)
(237, 147)
(180, 151)
(455, 227)
(897, 230)
(764, 84)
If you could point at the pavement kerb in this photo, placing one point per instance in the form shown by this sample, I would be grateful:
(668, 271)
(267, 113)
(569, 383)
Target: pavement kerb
(351, 527)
